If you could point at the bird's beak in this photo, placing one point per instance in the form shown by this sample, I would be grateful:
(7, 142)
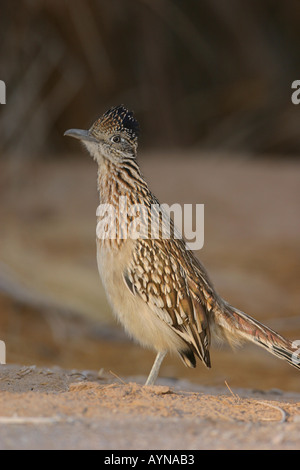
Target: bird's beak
(81, 135)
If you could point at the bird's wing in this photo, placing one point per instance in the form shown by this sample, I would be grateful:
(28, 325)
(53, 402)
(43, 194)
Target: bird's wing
(159, 274)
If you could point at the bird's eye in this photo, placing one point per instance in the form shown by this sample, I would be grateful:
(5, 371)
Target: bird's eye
(116, 139)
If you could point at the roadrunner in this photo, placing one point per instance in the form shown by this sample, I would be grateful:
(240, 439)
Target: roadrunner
(157, 288)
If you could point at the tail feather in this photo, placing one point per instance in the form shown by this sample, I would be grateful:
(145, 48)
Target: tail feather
(237, 326)
(188, 357)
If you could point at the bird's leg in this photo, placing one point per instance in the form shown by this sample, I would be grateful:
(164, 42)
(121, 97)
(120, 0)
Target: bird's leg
(155, 368)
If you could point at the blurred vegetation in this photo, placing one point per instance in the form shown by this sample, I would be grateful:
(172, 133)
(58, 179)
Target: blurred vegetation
(207, 73)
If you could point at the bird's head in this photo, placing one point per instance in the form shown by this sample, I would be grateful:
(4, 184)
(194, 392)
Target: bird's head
(113, 136)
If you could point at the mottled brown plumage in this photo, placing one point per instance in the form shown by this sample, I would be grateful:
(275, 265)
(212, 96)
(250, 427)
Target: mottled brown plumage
(158, 289)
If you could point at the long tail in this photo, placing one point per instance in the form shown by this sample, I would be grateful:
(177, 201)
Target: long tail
(236, 326)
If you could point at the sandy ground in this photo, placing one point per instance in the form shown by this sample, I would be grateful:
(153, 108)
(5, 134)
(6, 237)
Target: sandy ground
(53, 313)
(59, 409)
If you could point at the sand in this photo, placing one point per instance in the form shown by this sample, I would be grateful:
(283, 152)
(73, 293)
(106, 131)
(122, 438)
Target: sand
(59, 409)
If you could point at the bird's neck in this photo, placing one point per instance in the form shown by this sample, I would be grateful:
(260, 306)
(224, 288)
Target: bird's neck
(122, 190)
(120, 179)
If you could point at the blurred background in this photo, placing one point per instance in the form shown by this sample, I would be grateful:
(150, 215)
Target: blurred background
(210, 83)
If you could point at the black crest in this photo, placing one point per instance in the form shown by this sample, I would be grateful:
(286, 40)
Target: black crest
(119, 119)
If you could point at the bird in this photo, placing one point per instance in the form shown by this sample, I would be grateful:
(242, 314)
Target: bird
(158, 289)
